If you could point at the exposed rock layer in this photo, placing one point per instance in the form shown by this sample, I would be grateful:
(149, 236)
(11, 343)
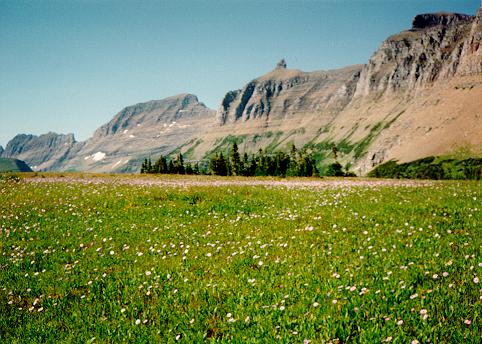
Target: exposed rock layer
(45, 152)
(142, 130)
(285, 92)
(423, 21)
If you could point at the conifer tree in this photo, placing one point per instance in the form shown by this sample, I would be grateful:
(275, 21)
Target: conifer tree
(235, 160)
(162, 164)
(171, 168)
(149, 166)
(179, 164)
(144, 166)
(195, 168)
(189, 169)
(245, 165)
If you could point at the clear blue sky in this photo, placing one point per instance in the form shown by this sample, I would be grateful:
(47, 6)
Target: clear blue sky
(70, 66)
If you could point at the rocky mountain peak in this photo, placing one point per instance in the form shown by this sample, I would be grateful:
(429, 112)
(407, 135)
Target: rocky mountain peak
(1, 150)
(281, 64)
(154, 112)
(43, 152)
(282, 92)
(427, 20)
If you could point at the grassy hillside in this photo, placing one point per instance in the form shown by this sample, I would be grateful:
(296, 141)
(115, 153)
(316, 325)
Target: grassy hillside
(13, 165)
(100, 261)
(431, 168)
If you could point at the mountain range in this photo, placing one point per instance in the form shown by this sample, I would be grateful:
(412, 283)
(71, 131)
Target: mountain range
(420, 94)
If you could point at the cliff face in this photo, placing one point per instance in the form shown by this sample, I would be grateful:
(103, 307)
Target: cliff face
(283, 93)
(42, 153)
(431, 51)
(1, 150)
(142, 130)
(471, 55)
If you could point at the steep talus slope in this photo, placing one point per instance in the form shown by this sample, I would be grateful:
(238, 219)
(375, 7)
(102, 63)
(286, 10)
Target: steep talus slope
(141, 130)
(44, 152)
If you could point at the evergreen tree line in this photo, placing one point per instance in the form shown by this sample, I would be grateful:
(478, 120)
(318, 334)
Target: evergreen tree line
(296, 163)
(164, 165)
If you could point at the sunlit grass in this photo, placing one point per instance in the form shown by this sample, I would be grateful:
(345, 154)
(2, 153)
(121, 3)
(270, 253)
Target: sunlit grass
(116, 262)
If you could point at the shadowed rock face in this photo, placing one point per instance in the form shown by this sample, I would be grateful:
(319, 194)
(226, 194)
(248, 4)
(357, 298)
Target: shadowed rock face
(1, 150)
(426, 20)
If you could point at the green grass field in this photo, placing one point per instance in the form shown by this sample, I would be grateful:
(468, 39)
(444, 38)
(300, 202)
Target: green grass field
(113, 262)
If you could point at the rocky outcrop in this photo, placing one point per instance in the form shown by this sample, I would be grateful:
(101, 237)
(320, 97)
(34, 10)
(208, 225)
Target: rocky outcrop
(281, 64)
(142, 130)
(1, 150)
(414, 59)
(427, 20)
(283, 93)
(471, 55)
(42, 153)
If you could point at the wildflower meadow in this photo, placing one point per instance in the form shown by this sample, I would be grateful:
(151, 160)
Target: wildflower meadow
(211, 259)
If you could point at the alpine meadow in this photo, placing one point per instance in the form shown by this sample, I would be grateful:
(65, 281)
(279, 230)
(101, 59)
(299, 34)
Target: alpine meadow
(208, 259)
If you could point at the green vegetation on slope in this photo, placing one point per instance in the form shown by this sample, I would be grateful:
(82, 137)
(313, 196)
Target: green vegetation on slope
(223, 145)
(13, 165)
(431, 168)
(107, 262)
